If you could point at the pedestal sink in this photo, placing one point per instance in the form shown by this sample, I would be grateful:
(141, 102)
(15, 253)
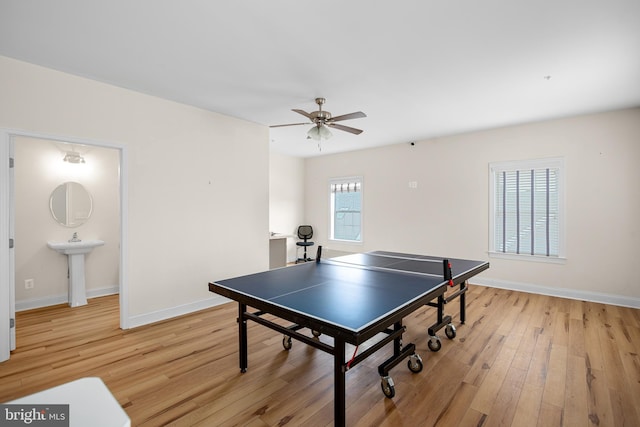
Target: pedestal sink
(75, 251)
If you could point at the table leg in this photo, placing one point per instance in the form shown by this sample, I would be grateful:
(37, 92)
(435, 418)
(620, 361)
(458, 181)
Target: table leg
(242, 336)
(463, 302)
(400, 351)
(397, 343)
(339, 384)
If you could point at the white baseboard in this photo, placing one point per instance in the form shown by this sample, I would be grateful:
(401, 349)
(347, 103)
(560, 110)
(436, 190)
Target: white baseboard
(29, 304)
(599, 297)
(157, 316)
(168, 313)
(134, 321)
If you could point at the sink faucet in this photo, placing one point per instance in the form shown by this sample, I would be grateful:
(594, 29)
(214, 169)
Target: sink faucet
(75, 238)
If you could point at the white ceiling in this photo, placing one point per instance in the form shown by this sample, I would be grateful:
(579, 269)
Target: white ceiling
(418, 68)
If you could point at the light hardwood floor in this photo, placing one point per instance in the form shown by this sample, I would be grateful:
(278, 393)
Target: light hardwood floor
(520, 360)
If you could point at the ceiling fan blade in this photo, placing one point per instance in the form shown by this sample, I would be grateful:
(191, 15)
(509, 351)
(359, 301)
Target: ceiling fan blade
(304, 113)
(356, 115)
(345, 128)
(290, 124)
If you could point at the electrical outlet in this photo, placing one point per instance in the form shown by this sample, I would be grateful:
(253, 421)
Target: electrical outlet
(29, 284)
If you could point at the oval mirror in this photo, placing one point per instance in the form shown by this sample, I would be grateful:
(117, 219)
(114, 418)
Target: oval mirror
(70, 204)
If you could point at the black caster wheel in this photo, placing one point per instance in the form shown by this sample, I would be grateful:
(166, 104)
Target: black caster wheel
(415, 363)
(434, 344)
(287, 343)
(387, 387)
(450, 331)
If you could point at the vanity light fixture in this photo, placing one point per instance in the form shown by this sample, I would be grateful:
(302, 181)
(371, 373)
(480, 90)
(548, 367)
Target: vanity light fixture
(73, 157)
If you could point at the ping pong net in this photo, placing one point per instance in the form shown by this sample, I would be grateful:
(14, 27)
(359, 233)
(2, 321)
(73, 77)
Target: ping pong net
(391, 262)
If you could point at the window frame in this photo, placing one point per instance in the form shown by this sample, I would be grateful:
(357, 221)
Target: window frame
(342, 180)
(527, 165)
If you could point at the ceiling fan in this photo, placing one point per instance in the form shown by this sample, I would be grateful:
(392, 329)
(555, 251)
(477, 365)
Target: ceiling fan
(323, 120)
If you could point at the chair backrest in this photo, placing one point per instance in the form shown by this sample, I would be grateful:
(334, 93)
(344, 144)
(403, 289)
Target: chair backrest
(305, 232)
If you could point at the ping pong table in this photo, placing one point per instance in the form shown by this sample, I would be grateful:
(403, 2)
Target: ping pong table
(353, 299)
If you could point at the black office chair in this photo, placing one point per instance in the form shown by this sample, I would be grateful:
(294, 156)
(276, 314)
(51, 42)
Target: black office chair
(305, 232)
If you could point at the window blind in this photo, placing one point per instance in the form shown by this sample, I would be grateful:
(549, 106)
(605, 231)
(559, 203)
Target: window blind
(346, 209)
(526, 211)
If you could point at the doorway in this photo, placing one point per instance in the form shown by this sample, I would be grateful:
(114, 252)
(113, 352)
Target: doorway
(22, 213)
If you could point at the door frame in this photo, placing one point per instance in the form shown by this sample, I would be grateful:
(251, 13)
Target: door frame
(7, 229)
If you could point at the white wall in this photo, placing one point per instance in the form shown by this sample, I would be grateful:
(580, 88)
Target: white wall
(197, 181)
(448, 213)
(39, 169)
(286, 198)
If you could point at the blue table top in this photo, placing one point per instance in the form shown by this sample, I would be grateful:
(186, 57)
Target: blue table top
(350, 292)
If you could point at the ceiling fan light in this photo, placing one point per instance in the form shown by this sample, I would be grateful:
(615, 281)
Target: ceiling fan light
(318, 133)
(324, 132)
(314, 133)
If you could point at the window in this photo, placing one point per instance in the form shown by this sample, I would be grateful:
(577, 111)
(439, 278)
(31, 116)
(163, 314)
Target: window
(527, 208)
(346, 209)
